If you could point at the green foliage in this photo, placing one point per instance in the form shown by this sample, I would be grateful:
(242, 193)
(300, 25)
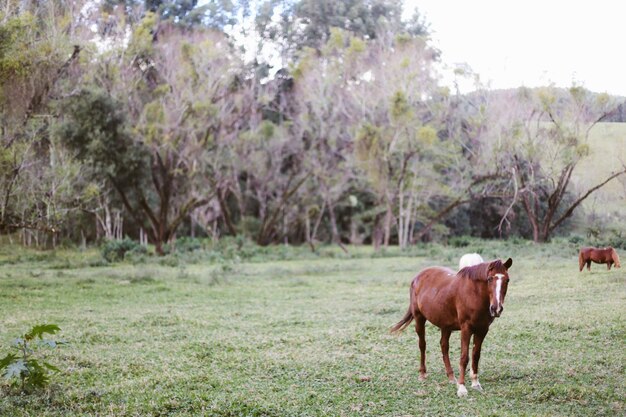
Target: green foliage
(23, 369)
(362, 18)
(94, 127)
(250, 226)
(400, 108)
(141, 45)
(427, 135)
(30, 57)
(460, 241)
(22, 47)
(368, 141)
(116, 250)
(188, 244)
(357, 46)
(547, 97)
(336, 40)
(267, 129)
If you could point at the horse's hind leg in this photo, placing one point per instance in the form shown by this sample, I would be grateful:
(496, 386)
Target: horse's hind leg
(588, 265)
(608, 266)
(445, 345)
(420, 329)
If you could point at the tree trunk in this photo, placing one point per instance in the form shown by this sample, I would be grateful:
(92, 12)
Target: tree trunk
(377, 233)
(388, 218)
(226, 213)
(333, 225)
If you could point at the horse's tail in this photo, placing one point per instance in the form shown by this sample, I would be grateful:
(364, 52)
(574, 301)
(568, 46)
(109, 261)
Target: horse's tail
(581, 260)
(408, 317)
(402, 324)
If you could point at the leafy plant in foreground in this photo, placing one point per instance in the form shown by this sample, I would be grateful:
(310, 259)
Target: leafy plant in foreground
(22, 368)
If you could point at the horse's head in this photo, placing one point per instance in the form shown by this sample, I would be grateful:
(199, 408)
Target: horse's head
(615, 258)
(497, 282)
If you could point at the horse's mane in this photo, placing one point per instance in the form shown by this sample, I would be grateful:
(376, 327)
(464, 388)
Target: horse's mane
(474, 272)
(479, 271)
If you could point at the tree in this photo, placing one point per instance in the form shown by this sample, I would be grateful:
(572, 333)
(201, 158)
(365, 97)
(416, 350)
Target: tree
(362, 18)
(178, 87)
(324, 115)
(397, 145)
(543, 138)
(35, 43)
(292, 26)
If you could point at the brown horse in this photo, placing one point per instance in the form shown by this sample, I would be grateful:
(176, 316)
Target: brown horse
(468, 301)
(606, 256)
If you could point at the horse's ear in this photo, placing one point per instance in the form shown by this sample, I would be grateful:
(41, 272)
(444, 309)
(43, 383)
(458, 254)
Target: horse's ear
(508, 263)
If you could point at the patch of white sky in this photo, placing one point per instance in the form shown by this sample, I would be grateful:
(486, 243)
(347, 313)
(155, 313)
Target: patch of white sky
(511, 43)
(531, 43)
(102, 42)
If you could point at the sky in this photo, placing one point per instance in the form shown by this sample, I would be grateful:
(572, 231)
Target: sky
(532, 43)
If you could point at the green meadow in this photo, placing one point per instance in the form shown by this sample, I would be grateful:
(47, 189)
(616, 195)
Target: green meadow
(290, 333)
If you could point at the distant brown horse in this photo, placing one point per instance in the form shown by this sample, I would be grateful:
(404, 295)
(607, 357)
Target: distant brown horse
(468, 301)
(606, 256)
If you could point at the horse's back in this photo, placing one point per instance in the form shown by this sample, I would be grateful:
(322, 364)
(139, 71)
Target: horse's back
(435, 295)
(434, 276)
(598, 255)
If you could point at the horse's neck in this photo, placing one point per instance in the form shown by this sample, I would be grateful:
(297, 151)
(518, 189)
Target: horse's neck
(473, 292)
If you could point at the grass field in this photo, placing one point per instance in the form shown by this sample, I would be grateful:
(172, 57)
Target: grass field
(309, 336)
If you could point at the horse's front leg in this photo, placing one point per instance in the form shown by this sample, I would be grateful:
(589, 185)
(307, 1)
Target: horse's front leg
(466, 334)
(478, 342)
(445, 348)
(608, 266)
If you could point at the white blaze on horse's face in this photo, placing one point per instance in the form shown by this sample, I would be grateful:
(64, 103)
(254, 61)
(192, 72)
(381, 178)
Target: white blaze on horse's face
(497, 284)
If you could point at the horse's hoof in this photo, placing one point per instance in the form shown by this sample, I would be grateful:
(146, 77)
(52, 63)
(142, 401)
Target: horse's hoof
(422, 377)
(477, 387)
(461, 391)
(452, 380)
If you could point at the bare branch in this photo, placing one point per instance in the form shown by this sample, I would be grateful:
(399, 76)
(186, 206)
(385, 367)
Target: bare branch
(576, 203)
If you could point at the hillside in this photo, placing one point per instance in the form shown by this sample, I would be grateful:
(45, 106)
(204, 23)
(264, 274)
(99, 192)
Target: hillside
(608, 153)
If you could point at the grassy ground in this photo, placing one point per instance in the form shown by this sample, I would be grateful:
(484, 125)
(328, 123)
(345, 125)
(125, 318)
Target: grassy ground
(309, 337)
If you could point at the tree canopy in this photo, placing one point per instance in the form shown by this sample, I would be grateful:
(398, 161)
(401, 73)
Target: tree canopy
(280, 121)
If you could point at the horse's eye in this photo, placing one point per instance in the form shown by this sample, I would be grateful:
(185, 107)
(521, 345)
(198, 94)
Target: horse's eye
(489, 279)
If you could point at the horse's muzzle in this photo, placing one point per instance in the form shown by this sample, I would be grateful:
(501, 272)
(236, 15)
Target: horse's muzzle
(495, 311)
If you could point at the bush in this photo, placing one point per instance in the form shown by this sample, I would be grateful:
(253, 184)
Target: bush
(115, 250)
(460, 241)
(576, 239)
(617, 241)
(183, 245)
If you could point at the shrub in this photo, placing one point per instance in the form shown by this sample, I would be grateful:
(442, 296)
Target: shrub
(576, 239)
(115, 250)
(460, 241)
(187, 244)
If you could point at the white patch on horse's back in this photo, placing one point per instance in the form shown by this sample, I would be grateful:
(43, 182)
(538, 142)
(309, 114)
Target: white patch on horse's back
(470, 259)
